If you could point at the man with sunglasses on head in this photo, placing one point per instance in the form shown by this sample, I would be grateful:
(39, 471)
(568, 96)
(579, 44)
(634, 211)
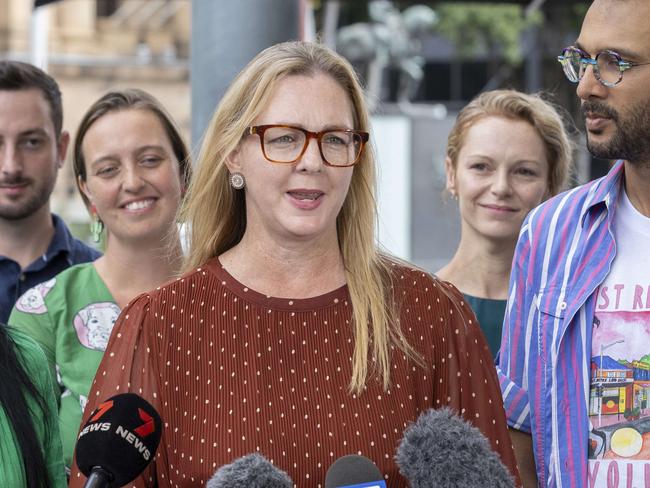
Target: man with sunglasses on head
(574, 366)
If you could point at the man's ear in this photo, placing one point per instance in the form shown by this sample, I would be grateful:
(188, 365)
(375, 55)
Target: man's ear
(62, 147)
(450, 170)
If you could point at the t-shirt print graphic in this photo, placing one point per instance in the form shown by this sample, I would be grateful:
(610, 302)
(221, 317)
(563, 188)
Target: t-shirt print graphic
(619, 400)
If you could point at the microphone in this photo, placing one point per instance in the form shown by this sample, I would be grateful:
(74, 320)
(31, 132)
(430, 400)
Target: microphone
(251, 471)
(118, 441)
(441, 450)
(354, 471)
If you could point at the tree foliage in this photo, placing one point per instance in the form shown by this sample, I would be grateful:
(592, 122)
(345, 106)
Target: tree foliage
(488, 28)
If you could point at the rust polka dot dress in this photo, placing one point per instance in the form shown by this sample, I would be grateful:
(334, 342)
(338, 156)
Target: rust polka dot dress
(233, 372)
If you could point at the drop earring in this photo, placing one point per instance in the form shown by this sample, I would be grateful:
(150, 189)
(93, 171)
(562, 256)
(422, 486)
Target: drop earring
(96, 225)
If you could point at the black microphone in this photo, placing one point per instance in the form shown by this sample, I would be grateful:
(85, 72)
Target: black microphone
(441, 450)
(251, 471)
(118, 441)
(354, 471)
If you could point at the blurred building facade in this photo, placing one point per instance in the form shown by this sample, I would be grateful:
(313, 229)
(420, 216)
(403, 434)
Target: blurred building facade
(93, 46)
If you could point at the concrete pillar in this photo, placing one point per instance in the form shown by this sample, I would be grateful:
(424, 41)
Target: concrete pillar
(226, 35)
(533, 60)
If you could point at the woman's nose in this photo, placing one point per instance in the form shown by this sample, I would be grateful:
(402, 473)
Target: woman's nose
(311, 160)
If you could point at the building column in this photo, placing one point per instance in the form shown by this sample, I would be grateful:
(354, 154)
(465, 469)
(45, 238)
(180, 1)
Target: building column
(226, 35)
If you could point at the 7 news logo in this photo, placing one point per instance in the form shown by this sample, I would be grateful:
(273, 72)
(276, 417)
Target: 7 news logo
(143, 430)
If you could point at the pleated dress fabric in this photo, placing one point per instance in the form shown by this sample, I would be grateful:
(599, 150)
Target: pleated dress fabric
(233, 372)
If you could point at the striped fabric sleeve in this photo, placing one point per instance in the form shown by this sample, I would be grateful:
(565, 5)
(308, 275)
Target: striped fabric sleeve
(513, 365)
(515, 403)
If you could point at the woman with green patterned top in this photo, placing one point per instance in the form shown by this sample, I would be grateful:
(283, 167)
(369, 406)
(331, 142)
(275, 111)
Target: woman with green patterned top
(132, 170)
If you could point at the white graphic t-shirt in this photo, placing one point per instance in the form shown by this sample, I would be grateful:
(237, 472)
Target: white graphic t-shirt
(619, 399)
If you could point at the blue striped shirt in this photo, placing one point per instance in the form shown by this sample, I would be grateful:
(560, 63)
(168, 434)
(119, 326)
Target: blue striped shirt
(564, 253)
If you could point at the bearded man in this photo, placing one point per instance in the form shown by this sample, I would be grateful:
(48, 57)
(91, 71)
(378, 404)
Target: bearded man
(35, 245)
(574, 365)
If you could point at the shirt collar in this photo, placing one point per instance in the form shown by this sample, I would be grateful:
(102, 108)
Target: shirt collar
(607, 190)
(62, 241)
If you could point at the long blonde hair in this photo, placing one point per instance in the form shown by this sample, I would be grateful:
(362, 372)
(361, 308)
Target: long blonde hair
(217, 215)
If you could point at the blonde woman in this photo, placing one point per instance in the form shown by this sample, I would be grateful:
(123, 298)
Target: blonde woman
(507, 152)
(290, 334)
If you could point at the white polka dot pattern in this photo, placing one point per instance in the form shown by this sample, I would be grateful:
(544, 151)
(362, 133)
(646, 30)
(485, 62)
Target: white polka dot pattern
(232, 372)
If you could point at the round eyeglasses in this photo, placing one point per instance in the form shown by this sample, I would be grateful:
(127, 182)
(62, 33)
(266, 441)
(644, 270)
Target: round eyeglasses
(608, 65)
(286, 144)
